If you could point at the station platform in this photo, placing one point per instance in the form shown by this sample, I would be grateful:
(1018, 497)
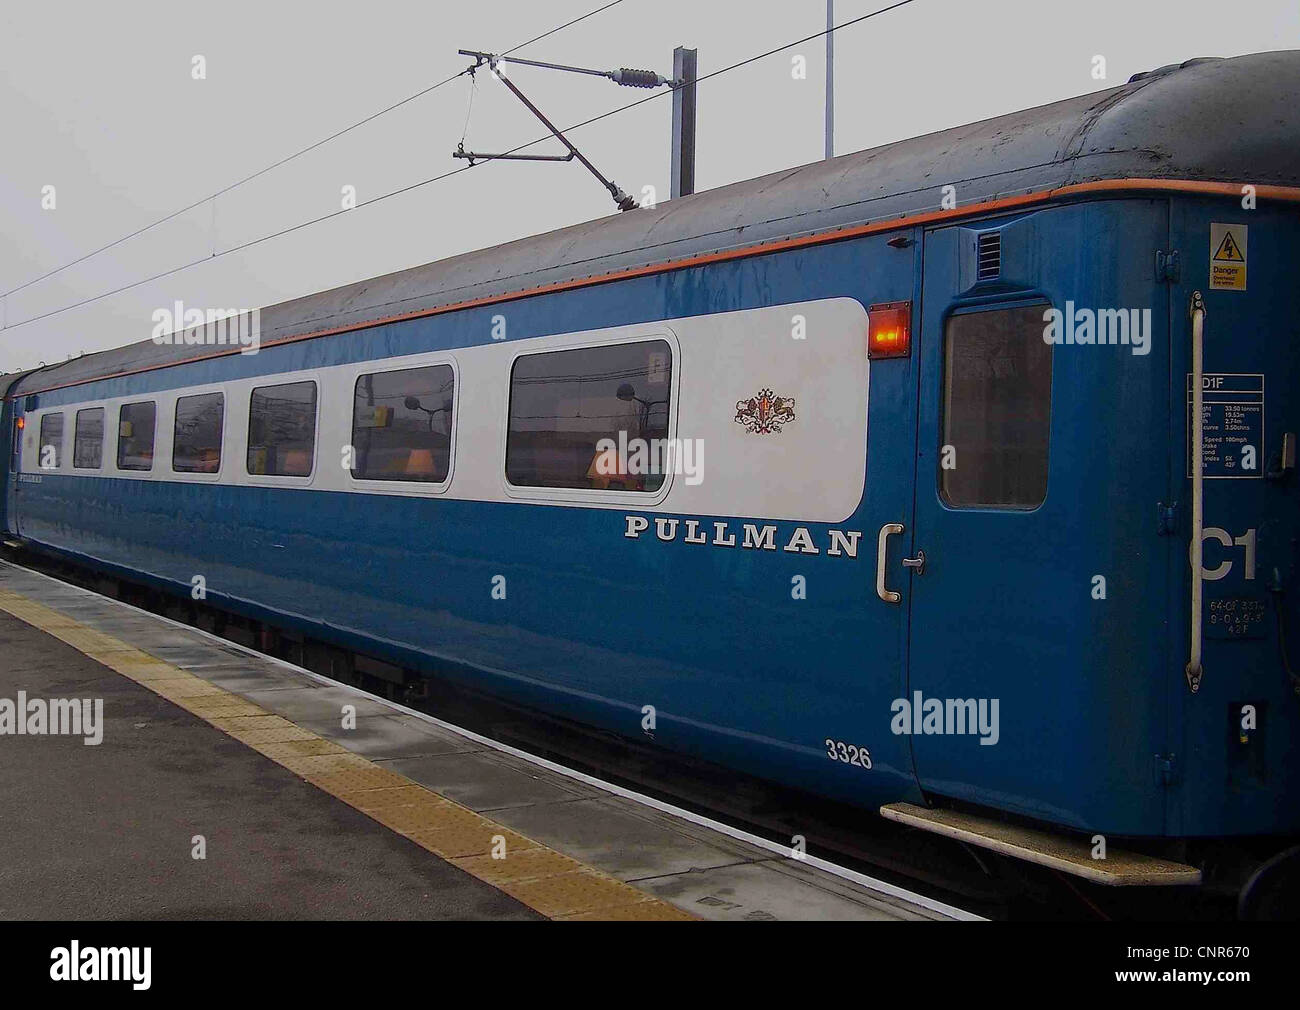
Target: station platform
(231, 785)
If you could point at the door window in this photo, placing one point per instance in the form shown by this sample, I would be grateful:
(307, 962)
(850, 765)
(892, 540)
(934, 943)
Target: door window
(997, 398)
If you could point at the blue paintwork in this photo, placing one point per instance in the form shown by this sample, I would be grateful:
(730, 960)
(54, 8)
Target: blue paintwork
(597, 625)
(1075, 677)
(8, 463)
(1257, 330)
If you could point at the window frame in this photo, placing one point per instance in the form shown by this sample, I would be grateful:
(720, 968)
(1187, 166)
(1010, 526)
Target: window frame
(185, 393)
(103, 435)
(619, 498)
(404, 364)
(63, 440)
(1034, 301)
(271, 380)
(117, 455)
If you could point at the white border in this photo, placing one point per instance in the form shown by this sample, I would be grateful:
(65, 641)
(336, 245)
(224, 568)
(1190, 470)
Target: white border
(525, 492)
(246, 389)
(481, 419)
(353, 373)
(117, 467)
(170, 472)
(103, 438)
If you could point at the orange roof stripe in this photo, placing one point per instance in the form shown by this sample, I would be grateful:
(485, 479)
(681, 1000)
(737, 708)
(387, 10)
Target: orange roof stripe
(1284, 193)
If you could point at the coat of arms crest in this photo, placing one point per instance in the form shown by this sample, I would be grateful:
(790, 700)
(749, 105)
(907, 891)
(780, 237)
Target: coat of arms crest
(765, 412)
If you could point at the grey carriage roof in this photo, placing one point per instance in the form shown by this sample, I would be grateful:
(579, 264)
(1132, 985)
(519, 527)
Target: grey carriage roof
(1211, 120)
(8, 382)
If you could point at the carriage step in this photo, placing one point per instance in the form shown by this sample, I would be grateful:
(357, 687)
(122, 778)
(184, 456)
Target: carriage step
(1059, 852)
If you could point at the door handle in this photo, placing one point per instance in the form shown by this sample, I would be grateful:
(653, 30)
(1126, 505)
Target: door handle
(917, 563)
(882, 553)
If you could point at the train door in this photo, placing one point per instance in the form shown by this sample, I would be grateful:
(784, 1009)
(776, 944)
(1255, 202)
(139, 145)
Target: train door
(13, 433)
(1034, 559)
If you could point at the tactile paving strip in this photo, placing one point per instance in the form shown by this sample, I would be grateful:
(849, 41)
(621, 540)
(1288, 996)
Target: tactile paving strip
(545, 880)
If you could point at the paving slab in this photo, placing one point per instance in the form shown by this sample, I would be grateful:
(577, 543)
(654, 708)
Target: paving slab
(110, 831)
(701, 868)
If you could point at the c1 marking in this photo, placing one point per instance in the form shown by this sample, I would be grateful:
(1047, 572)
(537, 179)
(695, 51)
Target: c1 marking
(1221, 570)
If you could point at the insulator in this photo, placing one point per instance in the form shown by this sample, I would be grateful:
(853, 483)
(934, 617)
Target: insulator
(637, 78)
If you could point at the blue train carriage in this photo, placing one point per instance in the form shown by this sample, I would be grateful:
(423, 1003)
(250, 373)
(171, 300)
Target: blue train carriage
(925, 541)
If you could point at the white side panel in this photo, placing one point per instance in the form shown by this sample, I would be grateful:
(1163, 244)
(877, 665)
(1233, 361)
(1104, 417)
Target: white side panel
(813, 469)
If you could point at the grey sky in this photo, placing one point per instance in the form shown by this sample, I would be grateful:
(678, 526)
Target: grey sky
(98, 101)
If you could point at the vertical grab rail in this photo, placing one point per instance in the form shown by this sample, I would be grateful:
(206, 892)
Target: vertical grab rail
(1194, 670)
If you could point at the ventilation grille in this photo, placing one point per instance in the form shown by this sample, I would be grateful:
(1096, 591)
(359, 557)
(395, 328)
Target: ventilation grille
(989, 250)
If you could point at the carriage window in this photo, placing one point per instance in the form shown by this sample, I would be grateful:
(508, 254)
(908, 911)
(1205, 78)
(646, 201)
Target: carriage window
(51, 454)
(282, 429)
(88, 443)
(135, 432)
(997, 393)
(401, 424)
(578, 416)
(196, 445)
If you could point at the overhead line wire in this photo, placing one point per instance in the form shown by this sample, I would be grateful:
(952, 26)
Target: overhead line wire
(288, 158)
(445, 175)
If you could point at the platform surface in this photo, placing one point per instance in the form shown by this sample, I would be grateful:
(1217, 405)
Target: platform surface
(307, 817)
(108, 831)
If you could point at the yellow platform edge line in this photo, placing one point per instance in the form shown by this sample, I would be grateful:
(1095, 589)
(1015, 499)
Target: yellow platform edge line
(547, 881)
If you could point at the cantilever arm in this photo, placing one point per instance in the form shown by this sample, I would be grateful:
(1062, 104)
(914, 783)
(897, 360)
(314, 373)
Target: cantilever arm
(622, 199)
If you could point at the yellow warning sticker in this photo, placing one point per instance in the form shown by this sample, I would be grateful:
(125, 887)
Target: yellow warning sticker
(1228, 257)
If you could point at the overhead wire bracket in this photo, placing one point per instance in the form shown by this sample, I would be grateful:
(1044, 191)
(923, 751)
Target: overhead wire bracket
(625, 76)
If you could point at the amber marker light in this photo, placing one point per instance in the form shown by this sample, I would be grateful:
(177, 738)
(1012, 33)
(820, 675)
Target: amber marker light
(889, 333)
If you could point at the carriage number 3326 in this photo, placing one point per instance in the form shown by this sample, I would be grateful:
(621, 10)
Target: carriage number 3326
(837, 750)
